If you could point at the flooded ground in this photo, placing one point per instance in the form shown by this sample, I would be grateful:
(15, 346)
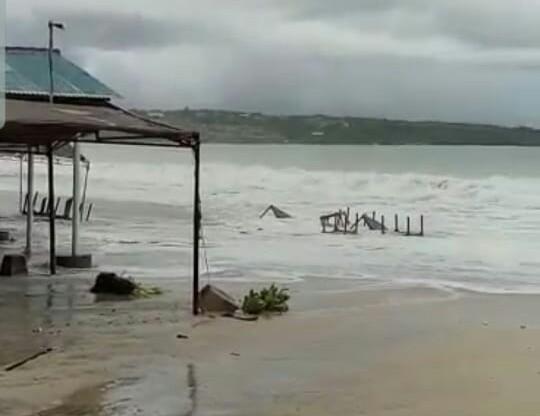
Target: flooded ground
(342, 351)
(162, 391)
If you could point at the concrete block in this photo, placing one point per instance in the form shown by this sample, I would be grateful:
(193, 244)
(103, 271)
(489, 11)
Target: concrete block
(83, 261)
(13, 265)
(212, 299)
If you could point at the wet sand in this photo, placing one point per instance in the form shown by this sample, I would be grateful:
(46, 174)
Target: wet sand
(375, 352)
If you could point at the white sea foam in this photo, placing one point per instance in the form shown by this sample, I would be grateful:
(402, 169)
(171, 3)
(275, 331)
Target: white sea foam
(482, 222)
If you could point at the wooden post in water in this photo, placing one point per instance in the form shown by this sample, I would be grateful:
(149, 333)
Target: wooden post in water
(374, 214)
(408, 226)
(382, 224)
(89, 212)
(421, 225)
(396, 223)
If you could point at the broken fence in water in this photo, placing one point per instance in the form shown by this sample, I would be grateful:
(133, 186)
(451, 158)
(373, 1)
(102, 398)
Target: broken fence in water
(340, 222)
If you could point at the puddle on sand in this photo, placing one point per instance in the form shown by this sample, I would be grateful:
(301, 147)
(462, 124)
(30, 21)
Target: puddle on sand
(163, 391)
(85, 402)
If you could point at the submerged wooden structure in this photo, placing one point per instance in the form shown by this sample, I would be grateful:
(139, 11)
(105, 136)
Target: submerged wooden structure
(277, 212)
(340, 222)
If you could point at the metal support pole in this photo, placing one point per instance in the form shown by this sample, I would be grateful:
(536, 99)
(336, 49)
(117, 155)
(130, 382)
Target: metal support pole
(50, 155)
(196, 228)
(21, 183)
(52, 216)
(30, 198)
(396, 223)
(50, 56)
(75, 218)
(421, 225)
(408, 226)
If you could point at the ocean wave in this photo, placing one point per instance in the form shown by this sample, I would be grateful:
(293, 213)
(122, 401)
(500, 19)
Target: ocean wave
(162, 183)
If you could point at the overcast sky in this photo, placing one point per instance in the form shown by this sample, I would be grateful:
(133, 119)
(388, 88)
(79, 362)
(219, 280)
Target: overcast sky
(456, 60)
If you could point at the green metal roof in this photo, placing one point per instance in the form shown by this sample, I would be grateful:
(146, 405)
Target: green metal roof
(27, 73)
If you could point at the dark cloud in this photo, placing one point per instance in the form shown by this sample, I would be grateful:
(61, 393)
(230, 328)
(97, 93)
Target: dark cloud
(103, 30)
(486, 23)
(307, 9)
(470, 60)
(511, 24)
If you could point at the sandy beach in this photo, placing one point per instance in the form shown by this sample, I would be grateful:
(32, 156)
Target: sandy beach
(375, 352)
(376, 160)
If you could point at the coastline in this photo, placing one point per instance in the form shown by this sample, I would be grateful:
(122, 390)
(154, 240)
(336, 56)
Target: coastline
(409, 351)
(359, 339)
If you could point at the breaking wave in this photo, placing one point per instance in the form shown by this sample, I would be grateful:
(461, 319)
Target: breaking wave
(482, 229)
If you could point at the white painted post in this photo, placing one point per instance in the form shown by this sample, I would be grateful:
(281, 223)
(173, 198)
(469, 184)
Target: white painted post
(30, 208)
(21, 156)
(75, 218)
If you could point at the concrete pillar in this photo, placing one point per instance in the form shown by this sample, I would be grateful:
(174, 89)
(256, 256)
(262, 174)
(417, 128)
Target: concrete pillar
(75, 260)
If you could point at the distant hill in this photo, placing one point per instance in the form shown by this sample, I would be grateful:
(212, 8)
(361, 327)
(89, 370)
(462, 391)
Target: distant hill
(236, 127)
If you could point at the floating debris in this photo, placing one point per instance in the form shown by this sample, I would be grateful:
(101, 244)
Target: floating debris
(111, 283)
(278, 213)
(372, 223)
(339, 222)
(212, 299)
(28, 359)
(268, 300)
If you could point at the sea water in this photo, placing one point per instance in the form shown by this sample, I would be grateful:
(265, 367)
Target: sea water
(481, 207)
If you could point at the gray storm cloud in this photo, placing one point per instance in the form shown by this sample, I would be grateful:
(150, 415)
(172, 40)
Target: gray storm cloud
(459, 60)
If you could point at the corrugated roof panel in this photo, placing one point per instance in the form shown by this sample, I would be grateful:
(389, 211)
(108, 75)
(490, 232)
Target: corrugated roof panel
(27, 72)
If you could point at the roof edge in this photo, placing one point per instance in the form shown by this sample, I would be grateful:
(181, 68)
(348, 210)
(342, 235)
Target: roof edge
(30, 49)
(61, 95)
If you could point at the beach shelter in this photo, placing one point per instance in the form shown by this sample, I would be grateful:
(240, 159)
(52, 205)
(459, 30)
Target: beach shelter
(81, 112)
